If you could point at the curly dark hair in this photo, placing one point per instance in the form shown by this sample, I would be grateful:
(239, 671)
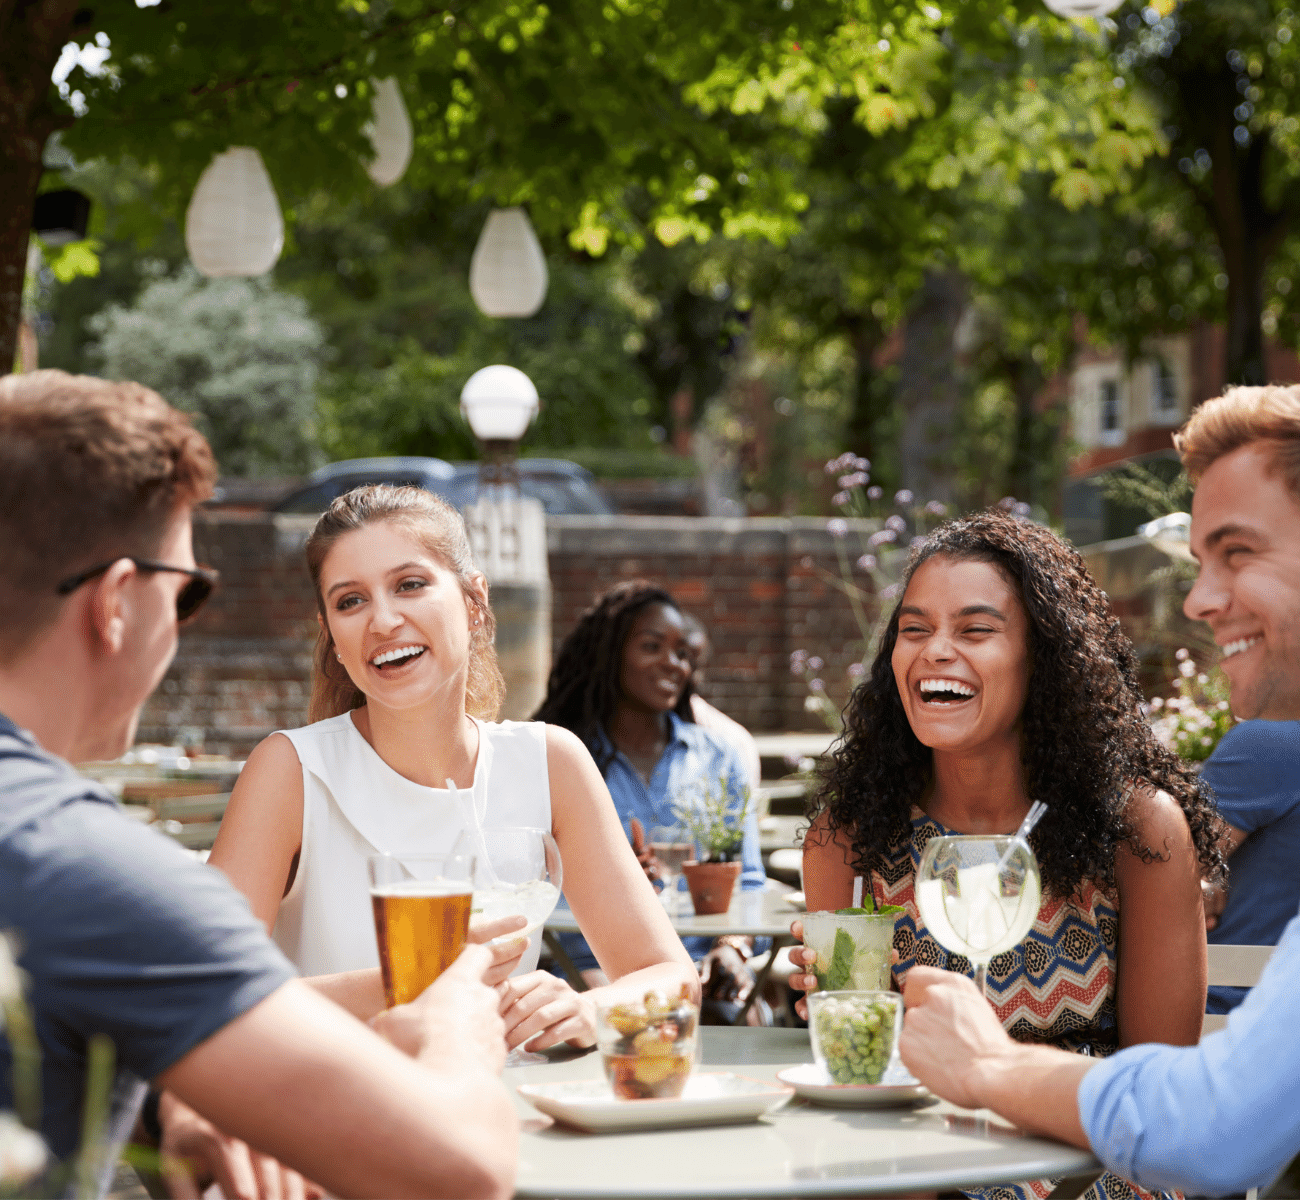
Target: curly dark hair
(583, 689)
(1084, 743)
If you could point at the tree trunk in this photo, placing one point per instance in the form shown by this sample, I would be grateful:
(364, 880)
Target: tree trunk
(32, 34)
(1025, 379)
(930, 387)
(863, 430)
(1248, 231)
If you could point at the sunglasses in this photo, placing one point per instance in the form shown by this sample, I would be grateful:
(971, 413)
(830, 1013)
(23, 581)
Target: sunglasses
(189, 600)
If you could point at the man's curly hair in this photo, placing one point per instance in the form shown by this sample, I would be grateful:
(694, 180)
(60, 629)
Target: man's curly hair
(584, 685)
(1084, 739)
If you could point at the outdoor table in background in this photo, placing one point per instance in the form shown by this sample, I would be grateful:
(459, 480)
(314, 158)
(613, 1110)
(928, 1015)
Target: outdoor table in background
(758, 914)
(799, 1150)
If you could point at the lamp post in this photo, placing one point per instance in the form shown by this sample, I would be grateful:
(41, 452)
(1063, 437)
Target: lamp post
(507, 533)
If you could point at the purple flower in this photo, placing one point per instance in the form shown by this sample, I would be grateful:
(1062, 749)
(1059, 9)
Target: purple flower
(888, 593)
(857, 479)
(1007, 502)
(867, 562)
(937, 508)
(1182, 655)
(816, 685)
(903, 496)
(862, 464)
(840, 499)
(1022, 510)
(815, 664)
(896, 523)
(856, 671)
(874, 493)
(837, 527)
(883, 536)
(919, 540)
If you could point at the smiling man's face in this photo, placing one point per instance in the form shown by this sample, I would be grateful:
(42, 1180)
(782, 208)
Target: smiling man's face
(1246, 535)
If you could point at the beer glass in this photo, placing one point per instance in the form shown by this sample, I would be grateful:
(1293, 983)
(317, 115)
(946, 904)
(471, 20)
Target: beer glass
(421, 905)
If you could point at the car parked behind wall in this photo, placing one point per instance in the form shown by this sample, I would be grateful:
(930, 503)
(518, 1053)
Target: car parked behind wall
(563, 487)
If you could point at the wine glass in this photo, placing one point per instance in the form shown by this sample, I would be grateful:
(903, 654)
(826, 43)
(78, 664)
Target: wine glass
(517, 872)
(672, 846)
(978, 895)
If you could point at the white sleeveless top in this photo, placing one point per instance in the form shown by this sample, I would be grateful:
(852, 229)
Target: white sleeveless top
(356, 805)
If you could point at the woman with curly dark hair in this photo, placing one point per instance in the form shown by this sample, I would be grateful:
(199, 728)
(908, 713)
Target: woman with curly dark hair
(622, 682)
(1003, 678)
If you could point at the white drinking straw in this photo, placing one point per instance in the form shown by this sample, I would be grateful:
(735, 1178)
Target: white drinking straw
(1032, 817)
(475, 831)
(857, 891)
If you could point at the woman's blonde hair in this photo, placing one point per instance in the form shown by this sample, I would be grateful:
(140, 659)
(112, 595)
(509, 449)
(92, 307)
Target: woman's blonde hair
(440, 530)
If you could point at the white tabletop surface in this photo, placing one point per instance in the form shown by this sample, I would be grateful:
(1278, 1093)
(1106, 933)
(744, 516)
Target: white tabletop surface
(799, 1150)
(761, 914)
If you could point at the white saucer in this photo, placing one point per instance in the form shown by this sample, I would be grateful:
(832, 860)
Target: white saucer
(812, 1083)
(708, 1099)
(796, 900)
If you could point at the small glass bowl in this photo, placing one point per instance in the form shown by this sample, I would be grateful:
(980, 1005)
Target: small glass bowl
(855, 1034)
(648, 1047)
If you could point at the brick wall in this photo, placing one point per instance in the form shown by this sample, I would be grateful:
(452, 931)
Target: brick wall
(764, 587)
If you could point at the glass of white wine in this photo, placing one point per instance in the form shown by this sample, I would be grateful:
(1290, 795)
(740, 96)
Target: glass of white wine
(672, 846)
(978, 895)
(517, 872)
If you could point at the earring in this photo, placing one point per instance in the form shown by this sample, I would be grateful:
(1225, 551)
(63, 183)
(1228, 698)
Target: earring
(338, 656)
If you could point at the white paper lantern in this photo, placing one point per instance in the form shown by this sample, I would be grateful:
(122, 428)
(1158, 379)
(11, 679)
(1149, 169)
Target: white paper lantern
(233, 224)
(507, 273)
(390, 133)
(499, 403)
(1078, 9)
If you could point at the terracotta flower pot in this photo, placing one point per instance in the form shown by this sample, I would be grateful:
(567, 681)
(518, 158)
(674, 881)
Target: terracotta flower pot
(711, 885)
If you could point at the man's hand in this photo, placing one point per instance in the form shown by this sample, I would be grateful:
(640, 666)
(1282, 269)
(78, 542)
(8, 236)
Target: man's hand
(950, 1035)
(507, 953)
(1215, 898)
(195, 1154)
(454, 1019)
(644, 855)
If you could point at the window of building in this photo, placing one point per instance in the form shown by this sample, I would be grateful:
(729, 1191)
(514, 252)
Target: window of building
(1110, 422)
(1164, 392)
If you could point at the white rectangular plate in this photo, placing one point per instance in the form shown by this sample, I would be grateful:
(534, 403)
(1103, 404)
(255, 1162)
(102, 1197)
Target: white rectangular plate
(708, 1099)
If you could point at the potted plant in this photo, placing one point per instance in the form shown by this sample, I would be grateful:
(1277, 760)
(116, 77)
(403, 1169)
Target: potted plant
(715, 818)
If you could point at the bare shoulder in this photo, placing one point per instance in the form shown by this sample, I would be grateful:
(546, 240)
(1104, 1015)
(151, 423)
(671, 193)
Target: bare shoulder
(270, 783)
(272, 757)
(1159, 825)
(565, 749)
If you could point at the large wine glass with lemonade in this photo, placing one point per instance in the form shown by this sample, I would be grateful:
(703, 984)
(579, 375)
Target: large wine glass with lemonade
(978, 895)
(517, 872)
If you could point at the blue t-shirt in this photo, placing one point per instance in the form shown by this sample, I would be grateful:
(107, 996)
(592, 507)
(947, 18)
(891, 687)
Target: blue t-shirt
(693, 756)
(1255, 774)
(119, 932)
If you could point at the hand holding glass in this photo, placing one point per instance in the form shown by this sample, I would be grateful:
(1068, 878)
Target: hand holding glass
(421, 905)
(978, 895)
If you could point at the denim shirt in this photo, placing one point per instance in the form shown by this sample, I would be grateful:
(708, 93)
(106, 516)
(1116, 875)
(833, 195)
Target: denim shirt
(693, 757)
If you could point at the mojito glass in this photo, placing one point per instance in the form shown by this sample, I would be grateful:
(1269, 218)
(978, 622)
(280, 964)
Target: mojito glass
(852, 947)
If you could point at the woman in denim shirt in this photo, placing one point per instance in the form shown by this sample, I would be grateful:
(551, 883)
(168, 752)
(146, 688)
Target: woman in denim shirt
(622, 683)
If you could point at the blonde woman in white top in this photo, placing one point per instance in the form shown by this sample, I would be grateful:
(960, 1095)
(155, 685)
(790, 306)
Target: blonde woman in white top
(405, 692)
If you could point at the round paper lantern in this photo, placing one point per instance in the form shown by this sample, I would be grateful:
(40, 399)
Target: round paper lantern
(390, 133)
(1078, 9)
(499, 403)
(507, 273)
(233, 224)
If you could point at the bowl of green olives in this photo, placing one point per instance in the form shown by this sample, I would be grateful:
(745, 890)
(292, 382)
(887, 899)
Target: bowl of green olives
(855, 1034)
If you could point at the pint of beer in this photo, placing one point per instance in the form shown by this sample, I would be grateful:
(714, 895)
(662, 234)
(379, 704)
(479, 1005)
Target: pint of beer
(421, 906)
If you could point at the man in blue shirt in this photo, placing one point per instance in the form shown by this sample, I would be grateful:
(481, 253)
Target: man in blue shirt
(120, 932)
(1255, 774)
(1223, 1115)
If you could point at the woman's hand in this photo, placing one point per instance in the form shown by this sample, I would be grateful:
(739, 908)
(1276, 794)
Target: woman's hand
(644, 855)
(542, 1010)
(725, 976)
(801, 956)
(506, 956)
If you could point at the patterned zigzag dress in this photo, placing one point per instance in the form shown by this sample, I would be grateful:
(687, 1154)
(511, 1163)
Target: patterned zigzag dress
(1057, 987)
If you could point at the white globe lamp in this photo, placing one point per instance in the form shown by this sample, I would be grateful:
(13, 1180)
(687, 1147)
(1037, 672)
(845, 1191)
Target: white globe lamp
(1077, 10)
(233, 225)
(507, 272)
(499, 402)
(390, 133)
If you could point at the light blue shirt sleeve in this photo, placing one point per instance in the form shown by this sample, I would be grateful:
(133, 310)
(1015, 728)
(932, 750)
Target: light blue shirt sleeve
(752, 874)
(1218, 1117)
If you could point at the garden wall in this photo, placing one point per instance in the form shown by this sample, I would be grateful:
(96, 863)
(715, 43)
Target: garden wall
(764, 587)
